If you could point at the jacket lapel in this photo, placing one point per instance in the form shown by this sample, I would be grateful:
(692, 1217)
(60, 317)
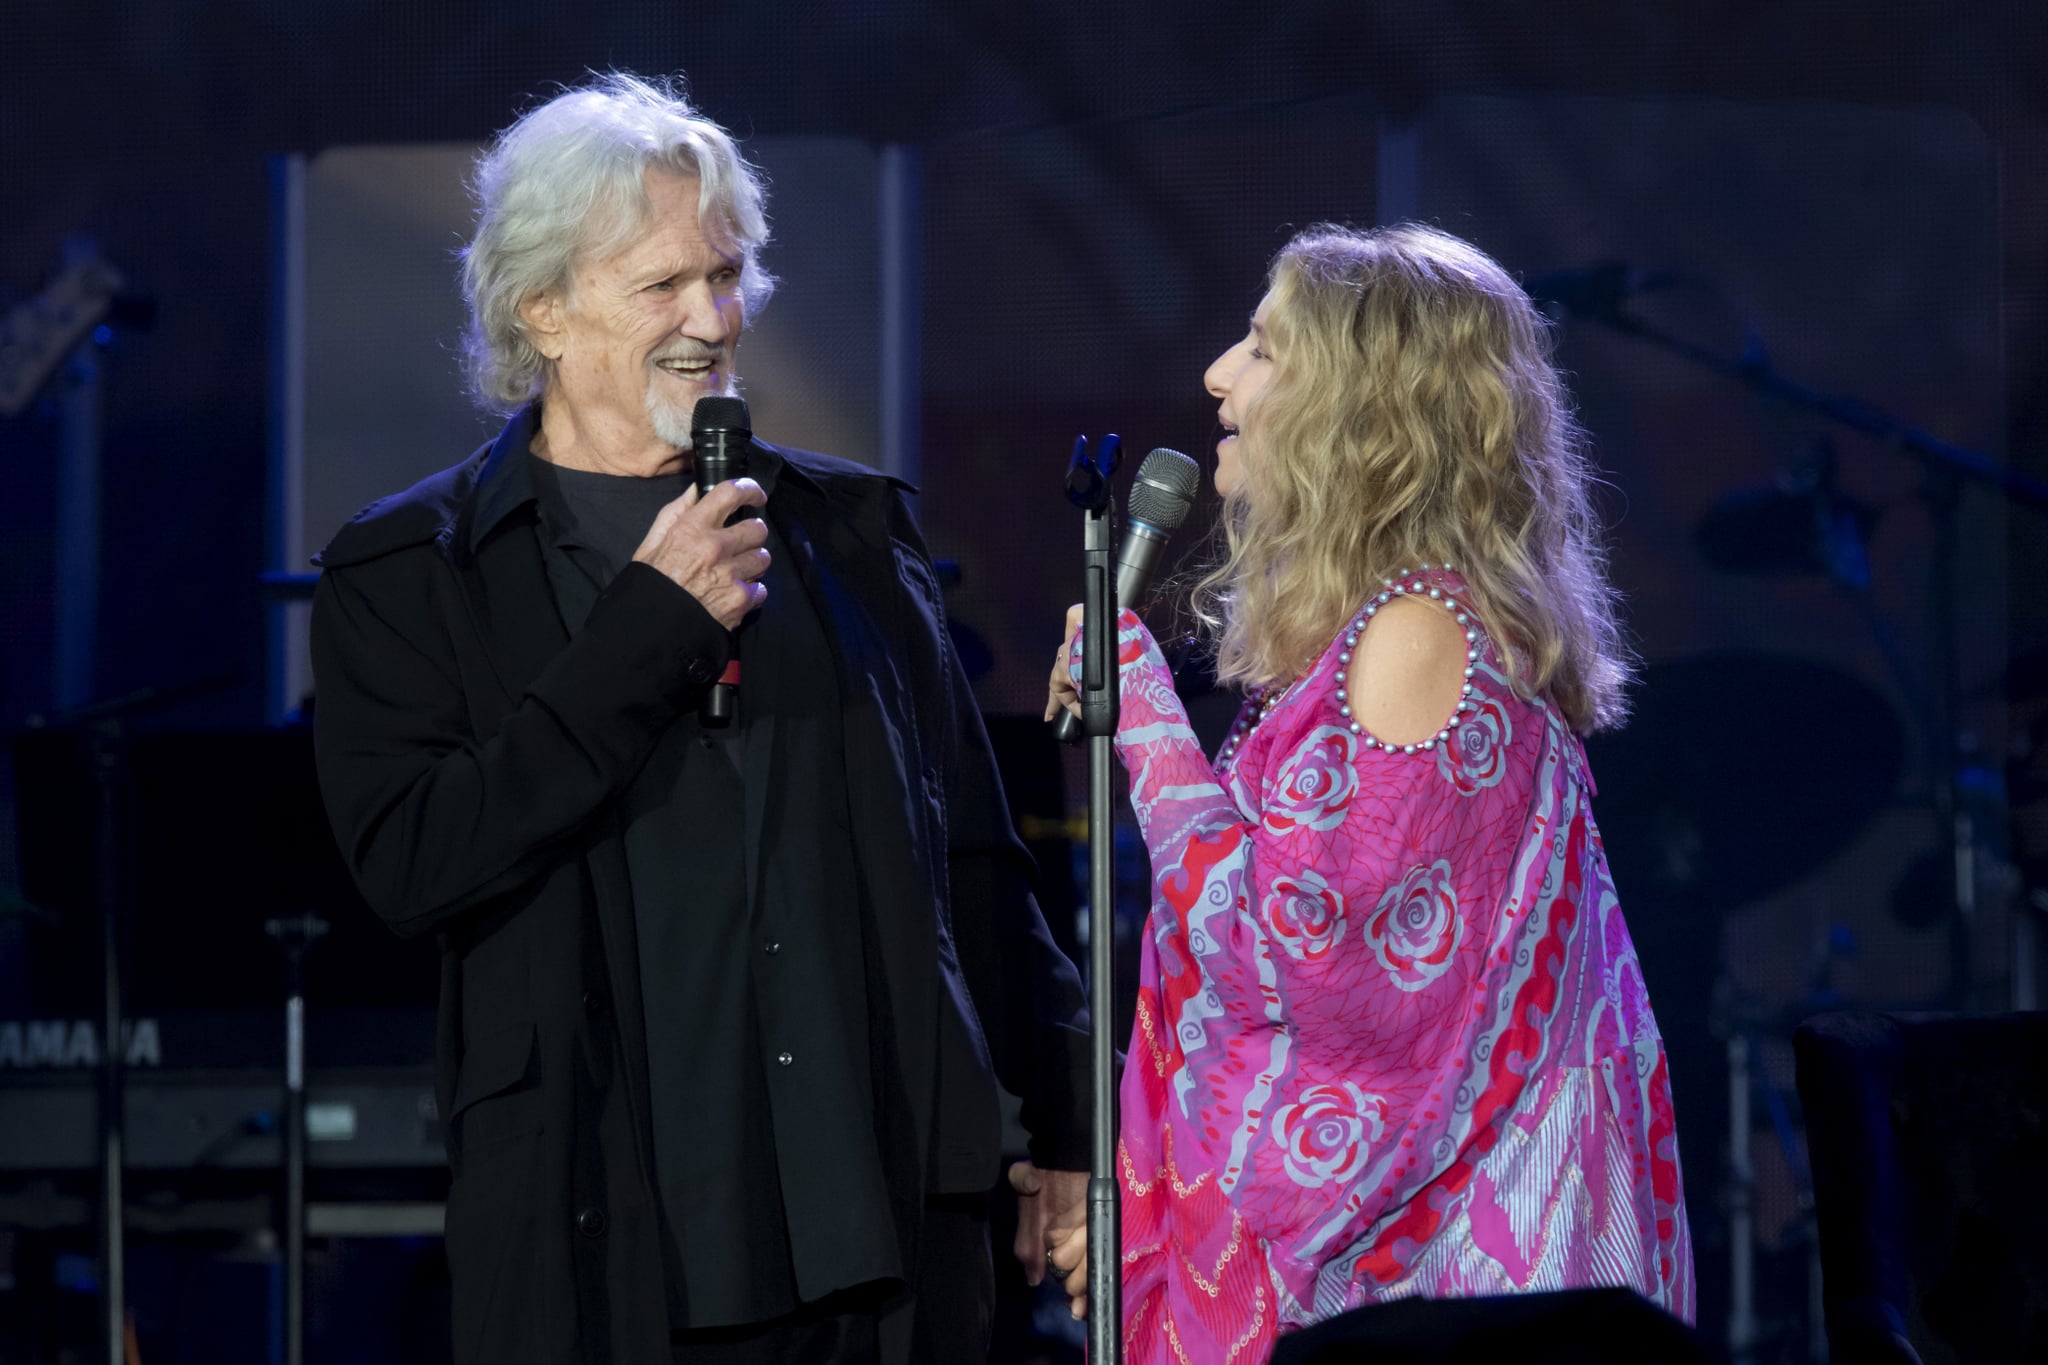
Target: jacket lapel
(494, 545)
(506, 586)
(512, 604)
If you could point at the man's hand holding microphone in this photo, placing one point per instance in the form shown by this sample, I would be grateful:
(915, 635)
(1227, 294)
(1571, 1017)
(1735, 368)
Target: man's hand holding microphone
(719, 565)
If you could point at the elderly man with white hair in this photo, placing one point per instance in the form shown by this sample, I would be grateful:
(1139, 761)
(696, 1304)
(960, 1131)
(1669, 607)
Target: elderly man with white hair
(724, 1008)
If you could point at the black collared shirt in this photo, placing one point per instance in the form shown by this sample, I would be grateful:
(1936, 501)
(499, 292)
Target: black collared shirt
(753, 970)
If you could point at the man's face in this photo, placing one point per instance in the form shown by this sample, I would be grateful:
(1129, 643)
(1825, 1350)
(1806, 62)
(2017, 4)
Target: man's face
(648, 330)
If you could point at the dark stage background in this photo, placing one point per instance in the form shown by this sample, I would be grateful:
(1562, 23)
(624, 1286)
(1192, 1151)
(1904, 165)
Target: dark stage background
(1853, 196)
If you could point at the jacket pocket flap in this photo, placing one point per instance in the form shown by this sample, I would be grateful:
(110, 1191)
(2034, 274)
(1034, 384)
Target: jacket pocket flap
(495, 1061)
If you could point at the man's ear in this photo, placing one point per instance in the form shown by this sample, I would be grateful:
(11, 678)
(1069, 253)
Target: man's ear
(541, 311)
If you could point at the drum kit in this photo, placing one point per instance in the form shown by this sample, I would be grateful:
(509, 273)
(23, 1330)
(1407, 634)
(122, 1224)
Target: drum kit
(1742, 773)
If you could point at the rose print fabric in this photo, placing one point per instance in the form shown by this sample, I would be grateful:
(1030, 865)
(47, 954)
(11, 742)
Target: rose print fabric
(1391, 1036)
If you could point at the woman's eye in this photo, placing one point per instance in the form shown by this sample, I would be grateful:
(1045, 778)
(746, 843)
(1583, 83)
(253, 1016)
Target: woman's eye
(1258, 354)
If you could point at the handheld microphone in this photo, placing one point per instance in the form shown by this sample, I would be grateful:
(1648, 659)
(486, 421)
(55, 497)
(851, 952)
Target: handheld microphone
(720, 429)
(1159, 503)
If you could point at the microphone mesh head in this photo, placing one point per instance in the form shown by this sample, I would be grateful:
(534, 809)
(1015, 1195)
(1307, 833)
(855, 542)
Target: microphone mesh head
(1165, 489)
(716, 412)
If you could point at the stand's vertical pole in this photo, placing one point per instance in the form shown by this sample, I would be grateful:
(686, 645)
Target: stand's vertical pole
(1816, 1290)
(288, 676)
(902, 327)
(295, 1163)
(295, 936)
(104, 740)
(1957, 829)
(1741, 1193)
(1105, 1251)
(2024, 993)
(1099, 708)
(81, 427)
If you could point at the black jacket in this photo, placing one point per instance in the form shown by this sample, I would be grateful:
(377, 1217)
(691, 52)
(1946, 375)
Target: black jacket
(471, 756)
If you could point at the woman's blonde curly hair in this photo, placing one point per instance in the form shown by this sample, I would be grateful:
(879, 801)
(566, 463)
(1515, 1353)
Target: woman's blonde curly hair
(1413, 415)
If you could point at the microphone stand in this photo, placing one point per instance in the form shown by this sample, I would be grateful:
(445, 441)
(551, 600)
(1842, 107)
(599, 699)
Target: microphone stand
(102, 729)
(295, 935)
(105, 745)
(1957, 461)
(1088, 488)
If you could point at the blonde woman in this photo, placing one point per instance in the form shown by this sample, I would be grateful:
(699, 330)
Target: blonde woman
(1391, 1035)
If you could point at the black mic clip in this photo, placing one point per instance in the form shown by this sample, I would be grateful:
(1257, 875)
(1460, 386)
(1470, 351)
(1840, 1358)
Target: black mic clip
(1088, 474)
(1088, 488)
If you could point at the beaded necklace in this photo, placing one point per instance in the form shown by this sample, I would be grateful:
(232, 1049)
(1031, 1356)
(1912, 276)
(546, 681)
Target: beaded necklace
(1265, 700)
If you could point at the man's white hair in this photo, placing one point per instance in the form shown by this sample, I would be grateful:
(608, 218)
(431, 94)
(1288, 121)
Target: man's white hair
(568, 178)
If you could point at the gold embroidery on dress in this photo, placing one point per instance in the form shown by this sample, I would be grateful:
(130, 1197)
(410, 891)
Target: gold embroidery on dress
(1151, 1039)
(1165, 1168)
(1214, 1287)
(1258, 1322)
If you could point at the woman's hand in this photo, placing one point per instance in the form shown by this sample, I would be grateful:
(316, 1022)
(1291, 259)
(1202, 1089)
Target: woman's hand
(1069, 1260)
(1062, 691)
(1052, 1229)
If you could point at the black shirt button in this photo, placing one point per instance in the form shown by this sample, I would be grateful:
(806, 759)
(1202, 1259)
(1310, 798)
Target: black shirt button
(784, 1059)
(772, 947)
(593, 1003)
(699, 670)
(591, 1222)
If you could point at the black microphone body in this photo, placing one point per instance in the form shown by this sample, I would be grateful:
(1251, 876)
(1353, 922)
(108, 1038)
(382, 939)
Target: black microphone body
(720, 431)
(1158, 504)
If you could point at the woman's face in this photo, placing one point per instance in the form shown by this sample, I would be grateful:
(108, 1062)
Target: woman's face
(1236, 378)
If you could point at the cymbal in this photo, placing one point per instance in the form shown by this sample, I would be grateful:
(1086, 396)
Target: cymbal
(1740, 772)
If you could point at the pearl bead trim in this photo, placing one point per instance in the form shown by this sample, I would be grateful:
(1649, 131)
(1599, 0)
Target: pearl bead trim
(1262, 702)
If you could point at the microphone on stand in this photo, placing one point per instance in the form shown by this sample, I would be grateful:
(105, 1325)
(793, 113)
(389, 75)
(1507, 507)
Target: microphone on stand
(720, 430)
(1159, 503)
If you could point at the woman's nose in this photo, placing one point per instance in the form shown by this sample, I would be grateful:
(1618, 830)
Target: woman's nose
(1217, 378)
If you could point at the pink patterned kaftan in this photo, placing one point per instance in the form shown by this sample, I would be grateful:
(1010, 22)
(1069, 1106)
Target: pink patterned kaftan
(1391, 1035)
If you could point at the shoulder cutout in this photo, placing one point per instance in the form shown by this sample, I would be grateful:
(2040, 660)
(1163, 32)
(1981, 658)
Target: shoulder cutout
(1407, 672)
